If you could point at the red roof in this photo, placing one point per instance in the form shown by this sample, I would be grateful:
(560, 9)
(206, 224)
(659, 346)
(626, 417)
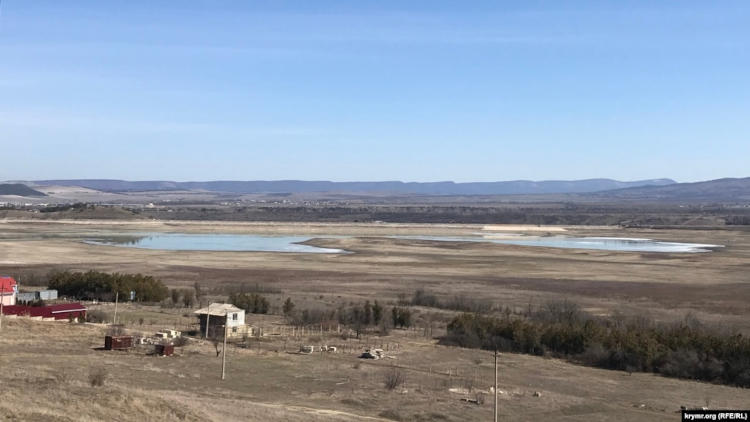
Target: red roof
(7, 284)
(61, 311)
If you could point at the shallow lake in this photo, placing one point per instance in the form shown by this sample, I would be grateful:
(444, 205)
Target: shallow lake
(261, 243)
(596, 243)
(215, 242)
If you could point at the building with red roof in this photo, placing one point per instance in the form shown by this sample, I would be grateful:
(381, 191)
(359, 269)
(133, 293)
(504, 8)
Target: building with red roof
(66, 311)
(8, 290)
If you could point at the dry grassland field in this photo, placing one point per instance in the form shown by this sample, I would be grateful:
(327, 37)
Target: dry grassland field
(45, 366)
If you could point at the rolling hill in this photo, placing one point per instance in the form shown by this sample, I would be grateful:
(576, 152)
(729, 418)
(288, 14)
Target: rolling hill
(390, 187)
(719, 190)
(18, 189)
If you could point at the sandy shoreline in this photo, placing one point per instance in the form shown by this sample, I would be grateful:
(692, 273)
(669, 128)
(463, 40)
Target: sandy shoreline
(297, 227)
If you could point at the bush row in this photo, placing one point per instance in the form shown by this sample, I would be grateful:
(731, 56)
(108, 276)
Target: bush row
(94, 285)
(455, 303)
(251, 302)
(684, 350)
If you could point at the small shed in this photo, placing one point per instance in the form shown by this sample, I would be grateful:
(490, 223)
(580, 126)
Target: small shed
(216, 315)
(118, 342)
(164, 349)
(26, 297)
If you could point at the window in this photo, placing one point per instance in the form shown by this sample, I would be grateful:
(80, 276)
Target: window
(234, 329)
(234, 316)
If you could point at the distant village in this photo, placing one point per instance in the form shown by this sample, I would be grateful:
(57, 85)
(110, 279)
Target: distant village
(215, 321)
(44, 305)
(34, 304)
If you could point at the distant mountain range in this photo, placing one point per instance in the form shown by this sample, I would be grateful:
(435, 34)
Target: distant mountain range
(719, 190)
(516, 187)
(652, 190)
(18, 189)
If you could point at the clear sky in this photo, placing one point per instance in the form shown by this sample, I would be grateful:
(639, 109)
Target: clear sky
(374, 90)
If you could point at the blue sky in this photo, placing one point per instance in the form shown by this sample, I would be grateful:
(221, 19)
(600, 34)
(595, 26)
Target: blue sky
(358, 90)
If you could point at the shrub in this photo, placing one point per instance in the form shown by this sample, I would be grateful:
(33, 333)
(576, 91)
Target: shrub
(401, 316)
(394, 378)
(377, 313)
(456, 303)
(37, 303)
(560, 312)
(188, 298)
(422, 298)
(97, 377)
(252, 303)
(312, 316)
(288, 307)
(97, 316)
(180, 341)
(594, 355)
(358, 316)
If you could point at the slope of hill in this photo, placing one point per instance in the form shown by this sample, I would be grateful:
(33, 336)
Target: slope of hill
(392, 187)
(719, 190)
(18, 189)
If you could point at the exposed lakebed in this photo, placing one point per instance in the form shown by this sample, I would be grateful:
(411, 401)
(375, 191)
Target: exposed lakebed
(295, 244)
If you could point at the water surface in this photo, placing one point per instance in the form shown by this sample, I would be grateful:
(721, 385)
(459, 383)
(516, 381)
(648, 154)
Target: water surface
(622, 244)
(269, 243)
(215, 242)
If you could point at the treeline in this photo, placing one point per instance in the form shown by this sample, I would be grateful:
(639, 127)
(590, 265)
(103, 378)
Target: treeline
(251, 302)
(80, 206)
(738, 220)
(566, 214)
(455, 303)
(185, 297)
(359, 317)
(683, 350)
(94, 285)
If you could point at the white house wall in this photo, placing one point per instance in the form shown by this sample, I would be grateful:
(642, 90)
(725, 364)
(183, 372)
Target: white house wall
(235, 319)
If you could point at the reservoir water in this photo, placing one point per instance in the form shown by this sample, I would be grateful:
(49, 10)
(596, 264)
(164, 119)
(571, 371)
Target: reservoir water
(215, 242)
(263, 243)
(597, 243)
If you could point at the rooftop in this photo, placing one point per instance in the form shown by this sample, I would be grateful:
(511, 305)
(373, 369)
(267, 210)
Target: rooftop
(7, 284)
(218, 309)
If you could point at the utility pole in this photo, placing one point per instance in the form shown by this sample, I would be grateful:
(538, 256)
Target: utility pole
(2, 298)
(224, 352)
(114, 321)
(495, 384)
(208, 318)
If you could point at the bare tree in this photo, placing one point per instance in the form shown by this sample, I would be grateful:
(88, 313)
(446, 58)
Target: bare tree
(188, 298)
(394, 378)
(175, 296)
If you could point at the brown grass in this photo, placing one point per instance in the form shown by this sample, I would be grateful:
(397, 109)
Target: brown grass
(267, 384)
